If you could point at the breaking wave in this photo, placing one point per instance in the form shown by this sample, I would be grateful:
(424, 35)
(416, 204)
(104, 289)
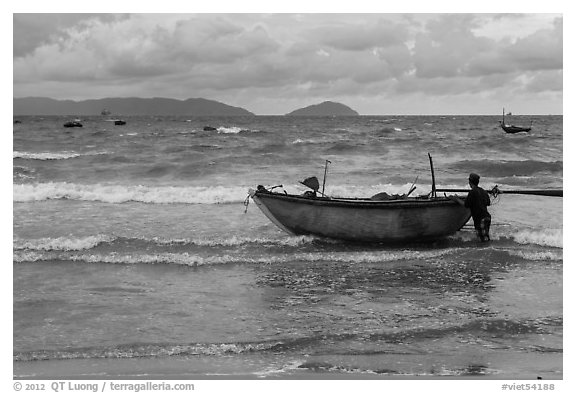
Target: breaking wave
(229, 130)
(63, 243)
(194, 259)
(74, 243)
(147, 350)
(121, 193)
(545, 237)
(110, 193)
(46, 156)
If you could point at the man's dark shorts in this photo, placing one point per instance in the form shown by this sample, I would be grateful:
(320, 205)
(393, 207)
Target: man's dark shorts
(483, 229)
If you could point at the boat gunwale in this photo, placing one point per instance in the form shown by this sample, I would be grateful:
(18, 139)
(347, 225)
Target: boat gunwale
(361, 202)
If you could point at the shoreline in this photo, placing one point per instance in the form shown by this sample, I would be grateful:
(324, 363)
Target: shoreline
(252, 367)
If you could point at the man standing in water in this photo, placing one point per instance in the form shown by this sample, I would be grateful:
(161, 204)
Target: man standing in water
(478, 201)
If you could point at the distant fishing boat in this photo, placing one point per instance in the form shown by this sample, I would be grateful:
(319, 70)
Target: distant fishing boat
(75, 123)
(380, 219)
(512, 129)
(119, 122)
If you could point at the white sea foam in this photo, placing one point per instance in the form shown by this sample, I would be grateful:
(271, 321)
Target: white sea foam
(63, 243)
(287, 241)
(229, 130)
(73, 243)
(198, 260)
(543, 237)
(148, 350)
(120, 193)
(116, 258)
(193, 259)
(538, 255)
(45, 156)
(309, 141)
(28, 256)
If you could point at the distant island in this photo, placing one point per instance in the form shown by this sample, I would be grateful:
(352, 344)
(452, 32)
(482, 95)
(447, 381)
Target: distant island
(156, 106)
(126, 106)
(327, 108)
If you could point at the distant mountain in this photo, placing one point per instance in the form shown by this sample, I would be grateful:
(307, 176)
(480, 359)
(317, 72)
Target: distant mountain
(126, 106)
(327, 108)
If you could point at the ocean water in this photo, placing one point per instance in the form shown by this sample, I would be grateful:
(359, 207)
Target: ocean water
(135, 254)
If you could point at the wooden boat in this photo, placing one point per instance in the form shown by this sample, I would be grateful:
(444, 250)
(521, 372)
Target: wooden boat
(363, 220)
(119, 122)
(512, 129)
(379, 219)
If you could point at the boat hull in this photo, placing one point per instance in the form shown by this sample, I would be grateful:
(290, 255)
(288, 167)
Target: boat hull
(515, 129)
(392, 221)
(72, 124)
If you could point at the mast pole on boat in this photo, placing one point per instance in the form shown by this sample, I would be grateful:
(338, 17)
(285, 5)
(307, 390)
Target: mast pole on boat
(325, 172)
(433, 194)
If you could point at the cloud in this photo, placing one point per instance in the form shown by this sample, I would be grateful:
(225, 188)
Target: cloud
(545, 81)
(359, 36)
(144, 50)
(541, 50)
(284, 57)
(218, 40)
(31, 31)
(448, 53)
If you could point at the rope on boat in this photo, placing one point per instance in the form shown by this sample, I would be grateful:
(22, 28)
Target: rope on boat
(495, 198)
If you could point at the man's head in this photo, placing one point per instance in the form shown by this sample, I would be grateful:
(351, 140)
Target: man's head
(474, 179)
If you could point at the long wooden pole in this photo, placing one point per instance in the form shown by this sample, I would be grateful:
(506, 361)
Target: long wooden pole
(550, 193)
(433, 178)
(325, 171)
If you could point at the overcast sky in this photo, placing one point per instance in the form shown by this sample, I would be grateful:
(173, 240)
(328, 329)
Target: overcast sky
(275, 63)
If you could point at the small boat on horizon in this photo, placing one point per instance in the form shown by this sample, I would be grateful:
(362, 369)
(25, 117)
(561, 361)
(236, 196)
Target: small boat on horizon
(117, 122)
(512, 129)
(74, 123)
